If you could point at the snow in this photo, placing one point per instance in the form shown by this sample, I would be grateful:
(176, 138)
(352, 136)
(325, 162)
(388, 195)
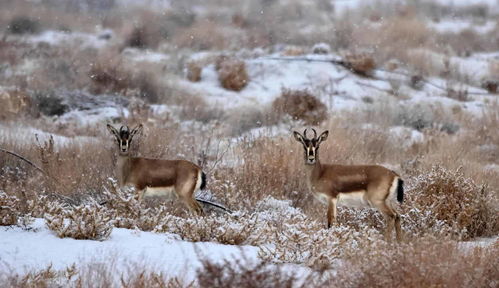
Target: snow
(86, 118)
(24, 250)
(459, 25)
(146, 55)
(61, 37)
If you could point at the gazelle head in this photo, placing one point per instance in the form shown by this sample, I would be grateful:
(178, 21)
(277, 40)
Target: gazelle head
(311, 146)
(124, 137)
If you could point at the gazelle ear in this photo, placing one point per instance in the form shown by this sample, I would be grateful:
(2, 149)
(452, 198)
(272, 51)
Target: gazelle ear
(323, 136)
(136, 130)
(113, 131)
(298, 136)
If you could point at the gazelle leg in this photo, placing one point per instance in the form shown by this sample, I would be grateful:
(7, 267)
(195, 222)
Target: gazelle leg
(398, 228)
(186, 193)
(141, 194)
(389, 216)
(331, 212)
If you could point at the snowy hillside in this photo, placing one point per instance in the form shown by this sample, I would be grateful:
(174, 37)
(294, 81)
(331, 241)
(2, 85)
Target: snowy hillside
(409, 85)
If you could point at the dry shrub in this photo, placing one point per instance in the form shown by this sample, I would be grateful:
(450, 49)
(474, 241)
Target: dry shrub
(23, 25)
(194, 70)
(457, 93)
(108, 75)
(265, 170)
(231, 73)
(427, 262)
(9, 209)
(14, 102)
(447, 200)
(293, 51)
(90, 221)
(243, 273)
(491, 86)
(73, 167)
(300, 105)
(128, 212)
(494, 70)
(321, 48)
(465, 42)
(148, 30)
(392, 39)
(94, 274)
(194, 107)
(223, 229)
(361, 64)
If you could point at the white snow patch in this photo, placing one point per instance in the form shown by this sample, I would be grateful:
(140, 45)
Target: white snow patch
(60, 37)
(22, 251)
(458, 25)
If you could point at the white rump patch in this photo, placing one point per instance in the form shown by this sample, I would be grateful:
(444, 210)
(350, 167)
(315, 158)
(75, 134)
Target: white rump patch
(198, 181)
(167, 192)
(353, 199)
(393, 189)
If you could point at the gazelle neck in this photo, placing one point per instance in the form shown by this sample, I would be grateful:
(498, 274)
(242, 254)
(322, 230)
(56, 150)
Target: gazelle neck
(123, 168)
(313, 170)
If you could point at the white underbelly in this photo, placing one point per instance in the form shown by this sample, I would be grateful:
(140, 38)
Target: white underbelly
(353, 199)
(321, 197)
(164, 192)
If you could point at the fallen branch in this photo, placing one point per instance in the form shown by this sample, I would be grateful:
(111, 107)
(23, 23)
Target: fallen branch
(214, 205)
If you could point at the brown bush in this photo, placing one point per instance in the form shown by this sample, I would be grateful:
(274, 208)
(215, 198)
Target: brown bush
(9, 209)
(242, 273)
(424, 263)
(91, 221)
(109, 76)
(448, 196)
(300, 105)
(231, 73)
(14, 102)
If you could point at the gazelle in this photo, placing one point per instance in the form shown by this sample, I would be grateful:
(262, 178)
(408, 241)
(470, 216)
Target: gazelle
(157, 177)
(351, 185)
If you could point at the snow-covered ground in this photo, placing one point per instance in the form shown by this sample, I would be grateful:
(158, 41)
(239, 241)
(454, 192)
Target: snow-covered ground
(24, 250)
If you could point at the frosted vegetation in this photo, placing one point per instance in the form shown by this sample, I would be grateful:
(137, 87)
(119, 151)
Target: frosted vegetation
(410, 85)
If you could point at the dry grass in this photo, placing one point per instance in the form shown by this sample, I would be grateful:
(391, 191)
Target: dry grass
(204, 34)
